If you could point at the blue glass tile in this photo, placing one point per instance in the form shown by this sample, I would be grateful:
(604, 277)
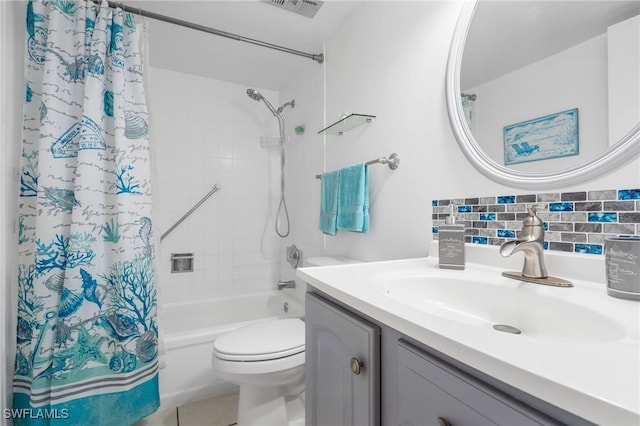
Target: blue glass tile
(629, 194)
(603, 217)
(506, 233)
(545, 244)
(434, 203)
(464, 209)
(480, 240)
(588, 248)
(545, 225)
(506, 199)
(487, 216)
(561, 207)
(434, 229)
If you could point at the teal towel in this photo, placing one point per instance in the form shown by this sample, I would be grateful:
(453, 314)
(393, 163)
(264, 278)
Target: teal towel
(329, 202)
(353, 198)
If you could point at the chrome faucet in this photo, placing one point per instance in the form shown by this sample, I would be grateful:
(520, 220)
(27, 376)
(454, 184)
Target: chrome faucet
(286, 284)
(531, 244)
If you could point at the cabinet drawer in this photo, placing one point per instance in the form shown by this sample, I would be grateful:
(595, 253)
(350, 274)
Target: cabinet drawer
(429, 389)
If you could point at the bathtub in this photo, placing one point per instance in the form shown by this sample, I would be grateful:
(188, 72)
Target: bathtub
(189, 330)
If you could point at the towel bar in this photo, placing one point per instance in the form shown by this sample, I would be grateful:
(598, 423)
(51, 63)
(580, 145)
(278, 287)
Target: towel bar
(393, 161)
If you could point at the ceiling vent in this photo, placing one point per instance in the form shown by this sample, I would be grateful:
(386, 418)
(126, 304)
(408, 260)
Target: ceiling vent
(307, 8)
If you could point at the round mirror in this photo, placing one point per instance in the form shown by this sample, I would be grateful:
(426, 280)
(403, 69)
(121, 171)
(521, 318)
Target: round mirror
(546, 94)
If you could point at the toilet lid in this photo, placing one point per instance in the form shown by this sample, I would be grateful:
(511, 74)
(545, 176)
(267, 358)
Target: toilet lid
(262, 341)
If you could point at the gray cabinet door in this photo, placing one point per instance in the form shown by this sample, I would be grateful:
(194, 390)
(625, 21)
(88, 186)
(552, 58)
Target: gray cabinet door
(335, 395)
(431, 392)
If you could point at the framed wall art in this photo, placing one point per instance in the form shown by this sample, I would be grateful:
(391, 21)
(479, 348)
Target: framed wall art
(542, 138)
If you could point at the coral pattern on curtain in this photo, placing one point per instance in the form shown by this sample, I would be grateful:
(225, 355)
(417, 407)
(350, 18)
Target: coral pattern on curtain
(87, 338)
(467, 108)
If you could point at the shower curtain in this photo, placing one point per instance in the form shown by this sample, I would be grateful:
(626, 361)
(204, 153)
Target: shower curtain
(86, 328)
(467, 108)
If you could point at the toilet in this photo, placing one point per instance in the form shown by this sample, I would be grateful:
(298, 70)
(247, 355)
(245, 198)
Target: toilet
(266, 359)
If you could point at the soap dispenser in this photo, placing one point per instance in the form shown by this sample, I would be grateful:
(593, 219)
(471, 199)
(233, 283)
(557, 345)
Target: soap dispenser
(451, 252)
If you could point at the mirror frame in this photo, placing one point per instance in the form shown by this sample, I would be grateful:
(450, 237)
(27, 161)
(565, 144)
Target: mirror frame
(626, 149)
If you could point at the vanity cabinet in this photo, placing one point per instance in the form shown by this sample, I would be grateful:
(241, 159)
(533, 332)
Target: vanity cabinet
(432, 392)
(342, 366)
(401, 381)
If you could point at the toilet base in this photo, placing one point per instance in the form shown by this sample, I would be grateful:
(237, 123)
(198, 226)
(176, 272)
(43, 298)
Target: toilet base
(267, 406)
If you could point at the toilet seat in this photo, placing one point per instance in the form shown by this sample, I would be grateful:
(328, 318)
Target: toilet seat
(264, 341)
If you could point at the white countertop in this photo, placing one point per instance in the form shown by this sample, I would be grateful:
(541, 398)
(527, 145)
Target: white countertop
(596, 379)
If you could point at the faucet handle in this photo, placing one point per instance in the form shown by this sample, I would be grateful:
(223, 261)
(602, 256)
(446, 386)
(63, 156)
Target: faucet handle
(533, 219)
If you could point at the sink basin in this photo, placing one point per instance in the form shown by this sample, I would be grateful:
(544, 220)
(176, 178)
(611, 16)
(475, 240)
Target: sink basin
(578, 347)
(536, 311)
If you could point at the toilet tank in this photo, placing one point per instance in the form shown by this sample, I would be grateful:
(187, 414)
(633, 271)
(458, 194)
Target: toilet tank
(329, 260)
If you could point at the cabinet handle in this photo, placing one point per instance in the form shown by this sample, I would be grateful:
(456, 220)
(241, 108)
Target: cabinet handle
(443, 422)
(356, 366)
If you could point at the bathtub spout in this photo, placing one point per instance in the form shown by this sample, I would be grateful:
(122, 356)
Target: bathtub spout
(286, 284)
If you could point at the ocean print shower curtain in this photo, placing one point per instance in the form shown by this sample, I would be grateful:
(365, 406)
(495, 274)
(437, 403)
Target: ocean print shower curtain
(87, 333)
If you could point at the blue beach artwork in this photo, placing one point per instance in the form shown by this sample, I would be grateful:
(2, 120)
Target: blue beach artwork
(551, 136)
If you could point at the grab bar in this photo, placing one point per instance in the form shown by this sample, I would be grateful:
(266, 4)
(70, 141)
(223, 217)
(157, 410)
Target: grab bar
(215, 189)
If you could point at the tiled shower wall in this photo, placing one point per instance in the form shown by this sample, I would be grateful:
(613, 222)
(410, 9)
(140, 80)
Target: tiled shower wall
(207, 132)
(574, 221)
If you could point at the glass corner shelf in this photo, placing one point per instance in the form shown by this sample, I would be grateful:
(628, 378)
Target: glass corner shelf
(347, 123)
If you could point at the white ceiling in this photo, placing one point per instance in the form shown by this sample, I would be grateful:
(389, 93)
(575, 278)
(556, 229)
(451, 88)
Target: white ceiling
(507, 35)
(209, 55)
(529, 30)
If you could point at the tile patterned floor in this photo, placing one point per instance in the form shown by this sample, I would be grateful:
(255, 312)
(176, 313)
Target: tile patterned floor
(220, 410)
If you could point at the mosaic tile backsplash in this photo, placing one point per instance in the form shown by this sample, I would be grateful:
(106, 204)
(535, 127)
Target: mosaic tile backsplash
(573, 221)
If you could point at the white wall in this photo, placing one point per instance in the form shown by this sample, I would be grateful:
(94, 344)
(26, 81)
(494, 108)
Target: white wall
(207, 131)
(12, 92)
(389, 59)
(304, 158)
(623, 49)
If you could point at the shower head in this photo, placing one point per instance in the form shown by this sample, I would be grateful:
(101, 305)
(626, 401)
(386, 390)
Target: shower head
(254, 94)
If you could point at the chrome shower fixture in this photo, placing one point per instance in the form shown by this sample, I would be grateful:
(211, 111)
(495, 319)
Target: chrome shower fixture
(254, 94)
(282, 207)
(291, 103)
(257, 96)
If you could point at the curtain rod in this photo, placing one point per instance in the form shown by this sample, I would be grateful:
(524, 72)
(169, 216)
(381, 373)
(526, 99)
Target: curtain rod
(319, 58)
